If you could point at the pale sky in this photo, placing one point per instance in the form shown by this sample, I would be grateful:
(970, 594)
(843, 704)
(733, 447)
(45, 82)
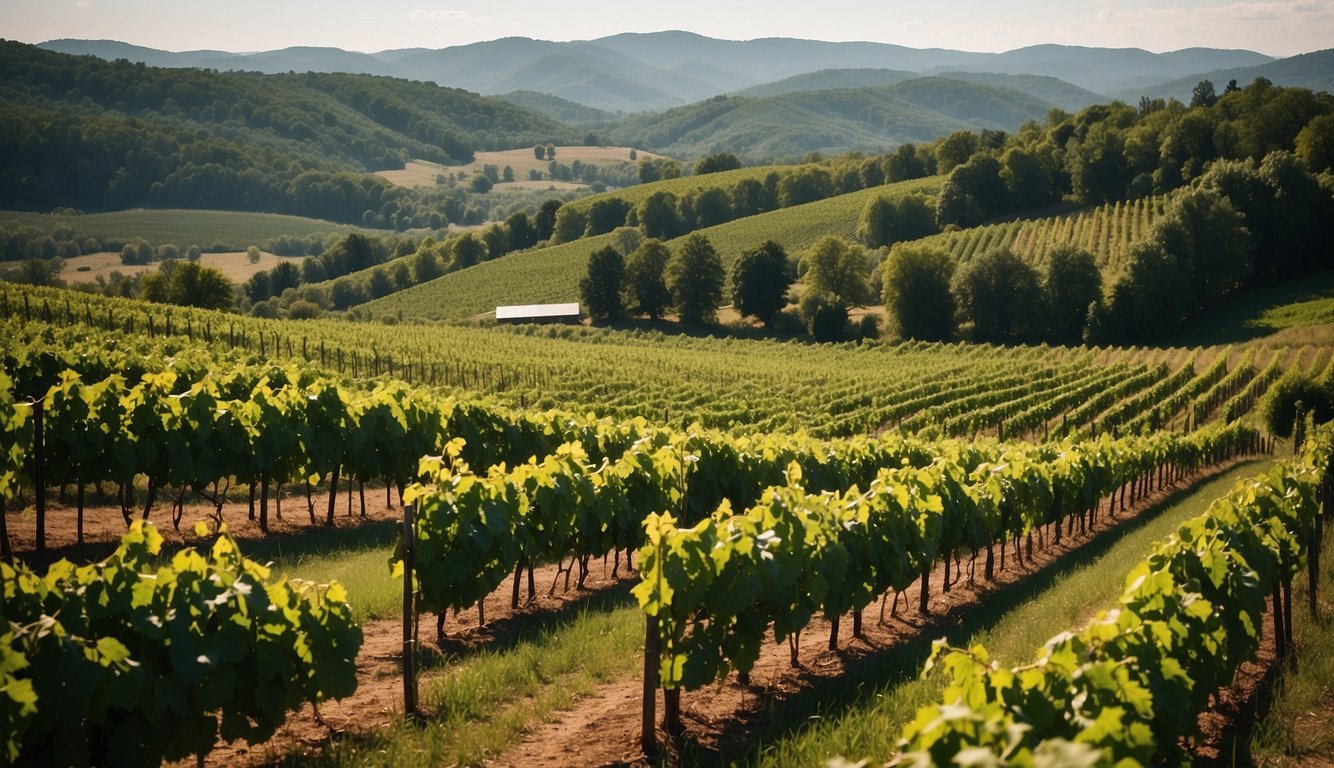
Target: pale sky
(1274, 28)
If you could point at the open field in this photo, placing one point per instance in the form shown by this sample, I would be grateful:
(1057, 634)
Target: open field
(236, 265)
(183, 228)
(422, 173)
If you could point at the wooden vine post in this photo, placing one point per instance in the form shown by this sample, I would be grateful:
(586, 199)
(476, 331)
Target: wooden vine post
(409, 613)
(648, 738)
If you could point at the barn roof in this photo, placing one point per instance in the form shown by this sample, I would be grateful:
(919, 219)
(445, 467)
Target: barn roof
(537, 310)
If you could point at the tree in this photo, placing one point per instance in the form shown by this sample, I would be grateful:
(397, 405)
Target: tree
(468, 250)
(571, 224)
(1146, 300)
(657, 215)
(1315, 144)
(283, 276)
(1207, 239)
(908, 162)
(136, 253)
(1202, 95)
(954, 150)
(192, 253)
(627, 239)
(826, 316)
(520, 231)
(545, 221)
(540, 152)
(973, 193)
(252, 254)
(1070, 283)
(1097, 165)
(604, 215)
(600, 288)
(380, 285)
(723, 161)
(507, 174)
(750, 197)
(695, 277)
(195, 285)
(838, 269)
(480, 184)
(1027, 181)
(645, 280)
(885, 221)
(712, 206)
(426, 265)
(805, 185)
(760, 281)
(917, 294)
(345, 293)
(999, 294)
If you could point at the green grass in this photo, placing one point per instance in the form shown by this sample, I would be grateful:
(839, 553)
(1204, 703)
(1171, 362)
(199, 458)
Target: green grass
(862, 714)
(1288, 312)
(479, 705)
(359, 558)
(233, 229)
(553, 274)
(1295, 729)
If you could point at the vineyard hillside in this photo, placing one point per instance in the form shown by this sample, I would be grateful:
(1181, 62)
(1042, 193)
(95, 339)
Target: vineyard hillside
(552, 274)
(1107, 232)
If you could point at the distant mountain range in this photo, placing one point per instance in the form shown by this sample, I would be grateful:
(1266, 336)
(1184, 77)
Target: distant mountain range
(632, 73)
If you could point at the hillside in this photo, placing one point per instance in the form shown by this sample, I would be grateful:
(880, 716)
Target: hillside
(95, 135)
(552, 274)
(655, 71)
(1309, 70)
(864, 119)
(557, 108)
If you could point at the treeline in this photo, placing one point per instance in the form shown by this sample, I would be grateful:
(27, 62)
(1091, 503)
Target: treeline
(644, 277)
(1114, 151)
(666, 215)
(1239, 223)
(85, 133)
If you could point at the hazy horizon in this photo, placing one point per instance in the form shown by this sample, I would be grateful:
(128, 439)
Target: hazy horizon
(1278, 29)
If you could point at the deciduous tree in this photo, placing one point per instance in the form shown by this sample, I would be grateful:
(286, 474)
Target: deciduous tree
(695, 276)
(760, 281)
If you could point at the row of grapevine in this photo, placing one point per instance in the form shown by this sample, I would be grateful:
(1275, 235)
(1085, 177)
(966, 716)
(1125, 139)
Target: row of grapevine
(1207, 402)
(1107, 232)
(132, 661)
(1127, 688)
(677, 380)
(711, 590)
(1168, 404)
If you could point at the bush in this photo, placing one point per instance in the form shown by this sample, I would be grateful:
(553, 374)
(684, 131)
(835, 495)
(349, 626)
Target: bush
(1279, 407)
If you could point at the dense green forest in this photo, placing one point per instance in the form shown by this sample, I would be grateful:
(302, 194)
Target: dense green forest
(84, 133)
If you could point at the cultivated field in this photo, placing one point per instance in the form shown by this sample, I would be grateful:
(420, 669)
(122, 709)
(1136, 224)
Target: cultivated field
(236, 265)
(183, 227)
(422, 173)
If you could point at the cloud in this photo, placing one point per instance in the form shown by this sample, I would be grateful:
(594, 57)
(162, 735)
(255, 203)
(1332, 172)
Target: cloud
(442, 15)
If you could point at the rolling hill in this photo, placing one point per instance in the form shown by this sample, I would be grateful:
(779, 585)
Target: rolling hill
(655, 71)
(866, 119)
(95, 135)
(1309, 70)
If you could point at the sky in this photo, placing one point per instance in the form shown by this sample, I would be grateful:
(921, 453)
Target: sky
(1275, 28)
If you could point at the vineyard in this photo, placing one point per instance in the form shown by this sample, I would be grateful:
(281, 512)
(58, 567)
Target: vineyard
(552, 274)
(1107, 232)
(746, 512)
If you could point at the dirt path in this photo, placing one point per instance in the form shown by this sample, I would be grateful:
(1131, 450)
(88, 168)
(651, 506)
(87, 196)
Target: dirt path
(724, 720)
(103, 524)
